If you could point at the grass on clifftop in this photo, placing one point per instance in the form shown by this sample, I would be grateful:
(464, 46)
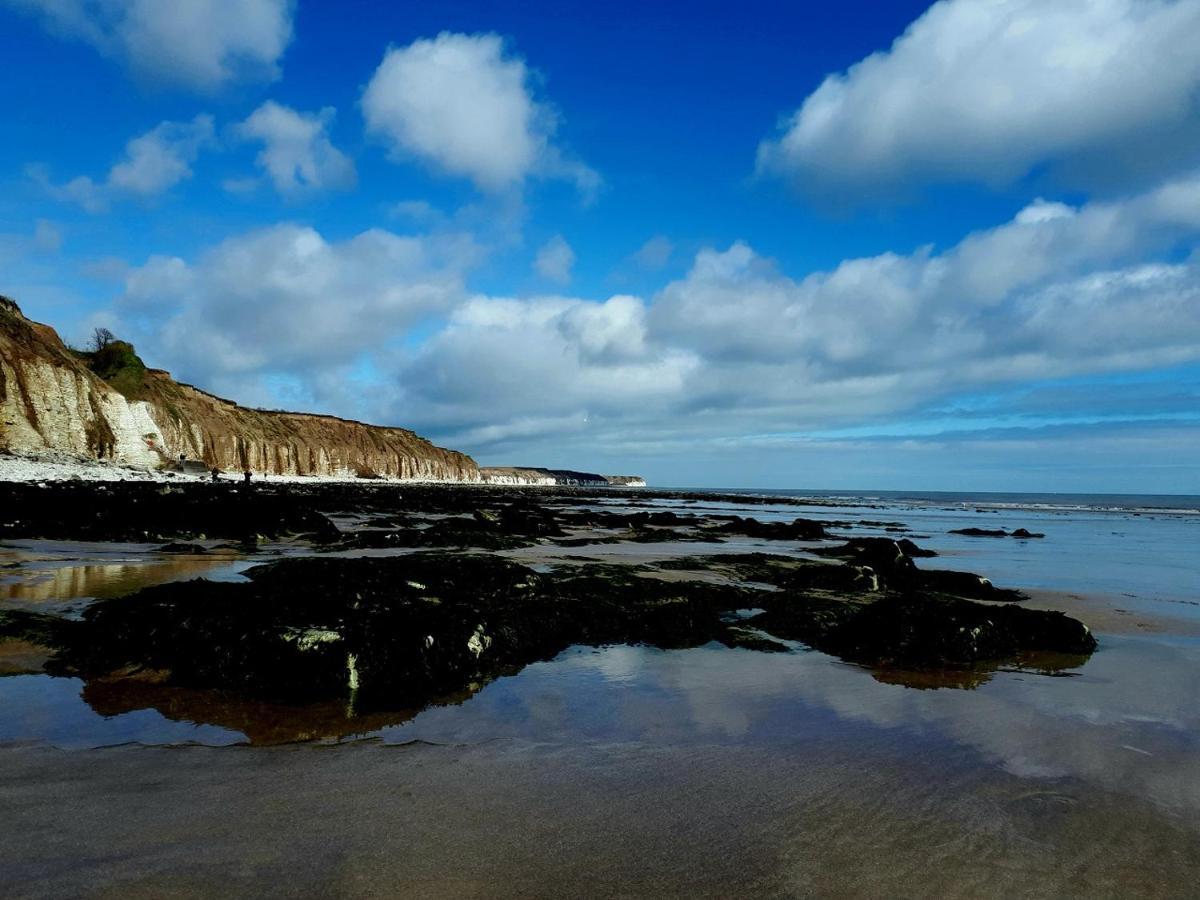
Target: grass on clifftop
(119, 365)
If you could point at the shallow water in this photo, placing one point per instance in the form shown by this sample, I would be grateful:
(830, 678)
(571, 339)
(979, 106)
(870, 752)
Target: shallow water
(62, 576)
(706, 771)
(1153, 559)
(636, 771)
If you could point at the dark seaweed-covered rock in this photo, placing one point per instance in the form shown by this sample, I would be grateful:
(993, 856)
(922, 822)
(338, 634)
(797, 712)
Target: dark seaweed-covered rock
(926, 631)
(131, 511)
(404, 630)
(997, 532)
(797, 530)
(786, 573)
(400, 629)
(965, 584)
(884, 555)
(892, 562)
(528, 520)
(176, 547)
(452, 532)
(912, 551)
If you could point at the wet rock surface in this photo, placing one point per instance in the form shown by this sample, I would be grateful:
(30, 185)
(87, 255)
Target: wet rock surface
(445, 613)
(1020, 533)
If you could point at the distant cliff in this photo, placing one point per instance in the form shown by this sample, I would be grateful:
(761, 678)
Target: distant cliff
(106, 404)
(534, 475)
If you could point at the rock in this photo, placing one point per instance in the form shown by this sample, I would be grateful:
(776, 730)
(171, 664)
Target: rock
(922, 631)
(194, 549)
(137, 511)
(996, 532)
(884, 555)
(911, 550)
(965, 584)
(797, 530)
(406, 630)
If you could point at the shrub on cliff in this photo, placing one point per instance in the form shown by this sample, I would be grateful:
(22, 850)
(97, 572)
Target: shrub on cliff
(118, 364)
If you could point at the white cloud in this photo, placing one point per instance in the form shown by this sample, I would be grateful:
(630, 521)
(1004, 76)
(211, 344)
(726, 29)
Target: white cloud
(504, 368)
(735, 352)
(459, 102)
(554, 260)
(1099, 91)
(297, 154)
(738, 348)
(153, 163)
(284, 301)
(984, 299)
(202, 44)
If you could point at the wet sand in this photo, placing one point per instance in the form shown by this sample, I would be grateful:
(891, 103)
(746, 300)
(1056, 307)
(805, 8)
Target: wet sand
(1107, 613)
(541, 821)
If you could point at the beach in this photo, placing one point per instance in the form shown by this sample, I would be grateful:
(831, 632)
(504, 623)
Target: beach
(634, 769)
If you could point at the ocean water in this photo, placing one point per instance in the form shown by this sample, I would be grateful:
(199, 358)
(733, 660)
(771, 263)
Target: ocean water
(1145, 548)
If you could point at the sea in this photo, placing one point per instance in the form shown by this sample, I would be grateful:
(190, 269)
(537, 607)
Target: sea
(646, 772)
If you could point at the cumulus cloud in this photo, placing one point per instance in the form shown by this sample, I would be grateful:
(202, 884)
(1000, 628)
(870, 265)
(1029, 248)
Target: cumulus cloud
(201, 44)
(461, 103)
(734, 353)
(284, 301)
(737, 347)
(1000, 300)
(554, 260)
(988, 90)
(153, 163)
(297, 154)
(505, 368)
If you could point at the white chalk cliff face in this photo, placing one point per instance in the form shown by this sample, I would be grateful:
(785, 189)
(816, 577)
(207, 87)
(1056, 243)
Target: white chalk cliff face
(518, 475)
(51, 401)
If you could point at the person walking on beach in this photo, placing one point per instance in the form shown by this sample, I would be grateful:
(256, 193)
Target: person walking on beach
(215, 474)
(246, 476)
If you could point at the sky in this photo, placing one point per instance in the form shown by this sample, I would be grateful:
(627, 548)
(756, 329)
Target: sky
(850, 245)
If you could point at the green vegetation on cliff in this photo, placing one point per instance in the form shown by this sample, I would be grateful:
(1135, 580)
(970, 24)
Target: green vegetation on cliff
(117, 363)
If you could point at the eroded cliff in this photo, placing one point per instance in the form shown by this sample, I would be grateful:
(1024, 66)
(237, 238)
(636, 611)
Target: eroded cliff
(516, 475)
(50, 400)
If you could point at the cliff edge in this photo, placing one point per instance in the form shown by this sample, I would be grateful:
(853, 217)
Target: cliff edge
(106, 404)
(539, 476)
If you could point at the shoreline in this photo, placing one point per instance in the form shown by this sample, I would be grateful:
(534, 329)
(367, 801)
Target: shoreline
(1107, 614)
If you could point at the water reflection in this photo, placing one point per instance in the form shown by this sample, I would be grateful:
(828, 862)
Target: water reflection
(56, 576)
(1127, 722)
(260, 722)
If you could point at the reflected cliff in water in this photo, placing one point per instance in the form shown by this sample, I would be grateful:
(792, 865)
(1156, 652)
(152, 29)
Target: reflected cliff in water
(54, 576)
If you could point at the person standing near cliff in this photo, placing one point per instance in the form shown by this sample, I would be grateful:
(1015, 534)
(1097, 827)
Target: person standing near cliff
(215, 474)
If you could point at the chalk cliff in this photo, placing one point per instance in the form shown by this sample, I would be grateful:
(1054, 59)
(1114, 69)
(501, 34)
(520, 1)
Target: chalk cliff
(535, 476)
(52, 400)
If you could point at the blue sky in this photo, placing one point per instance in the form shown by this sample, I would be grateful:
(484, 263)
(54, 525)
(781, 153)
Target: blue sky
(851, 245)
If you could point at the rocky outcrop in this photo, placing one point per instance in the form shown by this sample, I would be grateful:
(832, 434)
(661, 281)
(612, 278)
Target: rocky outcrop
(567, 477)
(51, 401)
(1021, 533)
(402, 631)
